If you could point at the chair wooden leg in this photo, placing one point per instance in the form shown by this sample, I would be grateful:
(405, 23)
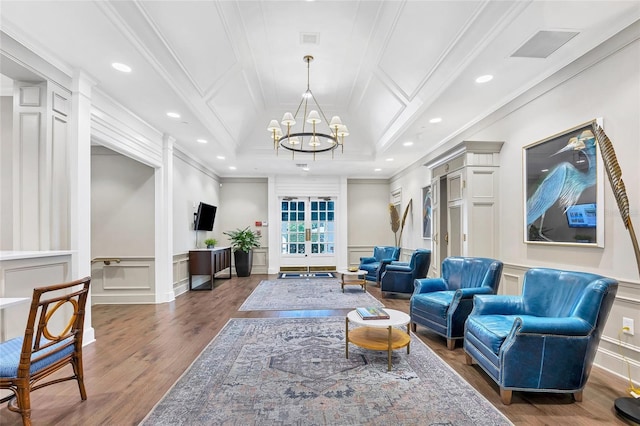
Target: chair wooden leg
(414, 326)
(577, 396)
(23, 400)
(467, 359)
(505, 396)
(451, 344)
(77, 369)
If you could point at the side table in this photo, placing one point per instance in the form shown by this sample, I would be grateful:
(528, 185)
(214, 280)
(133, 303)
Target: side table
(378, 335)
(356, 278)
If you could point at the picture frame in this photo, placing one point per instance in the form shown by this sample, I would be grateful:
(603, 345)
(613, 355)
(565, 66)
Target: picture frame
(563, 182)
(427, 202)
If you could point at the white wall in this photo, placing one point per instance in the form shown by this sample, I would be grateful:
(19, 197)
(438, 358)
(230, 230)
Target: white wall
(611, 90)
(411, 182)
(243, 202)
(122, 203)
(368, 213)
(6, 170)
(192, 185)
(606, 83)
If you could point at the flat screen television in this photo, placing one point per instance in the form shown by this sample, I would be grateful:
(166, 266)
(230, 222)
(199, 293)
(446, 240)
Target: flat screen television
(582, 216)
(205, 217)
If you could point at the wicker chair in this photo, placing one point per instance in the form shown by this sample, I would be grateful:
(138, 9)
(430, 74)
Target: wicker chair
(25, 361)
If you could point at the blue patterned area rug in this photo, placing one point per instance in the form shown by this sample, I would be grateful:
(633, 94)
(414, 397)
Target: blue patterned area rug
(296, 294)
(278, 371)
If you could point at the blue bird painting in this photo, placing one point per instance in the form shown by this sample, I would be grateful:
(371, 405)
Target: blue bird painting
(564, 183)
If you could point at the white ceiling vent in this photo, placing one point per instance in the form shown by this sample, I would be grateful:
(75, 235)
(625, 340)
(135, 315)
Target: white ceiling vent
(544, 43)
(309, 38)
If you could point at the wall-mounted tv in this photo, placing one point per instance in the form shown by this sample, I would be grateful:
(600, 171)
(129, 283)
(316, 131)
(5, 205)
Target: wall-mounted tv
(582, 216)
(205, 217)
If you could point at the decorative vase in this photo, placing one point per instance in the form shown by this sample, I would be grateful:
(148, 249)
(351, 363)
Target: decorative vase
(244, 262)
(210, 246)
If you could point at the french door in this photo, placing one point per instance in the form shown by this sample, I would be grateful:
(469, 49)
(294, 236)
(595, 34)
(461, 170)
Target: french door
(307, 231)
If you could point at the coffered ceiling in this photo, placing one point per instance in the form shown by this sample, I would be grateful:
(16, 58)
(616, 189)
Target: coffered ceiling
(386, 67)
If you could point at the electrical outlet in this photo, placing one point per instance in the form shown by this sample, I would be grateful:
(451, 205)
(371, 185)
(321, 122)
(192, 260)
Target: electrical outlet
(627, 326)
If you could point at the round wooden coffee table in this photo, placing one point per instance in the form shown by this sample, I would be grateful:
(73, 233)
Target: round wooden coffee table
(357, 277)
(379, 334)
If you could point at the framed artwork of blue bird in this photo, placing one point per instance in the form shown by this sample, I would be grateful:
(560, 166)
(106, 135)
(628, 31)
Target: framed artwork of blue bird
(563, 188)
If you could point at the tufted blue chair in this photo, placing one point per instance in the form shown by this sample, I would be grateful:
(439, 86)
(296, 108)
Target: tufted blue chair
(443, 304)
(375, 265)
(398, 276)
(544, 340)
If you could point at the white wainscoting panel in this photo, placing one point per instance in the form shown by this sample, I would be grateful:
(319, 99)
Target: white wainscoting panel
(129, 282)
(180, 273)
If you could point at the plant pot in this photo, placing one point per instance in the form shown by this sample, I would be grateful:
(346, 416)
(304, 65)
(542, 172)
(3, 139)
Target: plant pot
(244, 262)
(210, 246)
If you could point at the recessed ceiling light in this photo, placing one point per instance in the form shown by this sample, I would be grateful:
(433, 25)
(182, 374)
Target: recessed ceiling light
(306, 169)
(435, 120)
(173, 115)
(202, 140)
(408, 143)
(220, 157)
(377, 170)
(232, 167)
(389, 159)
(121, 67)
(544, 170)
(484, 78)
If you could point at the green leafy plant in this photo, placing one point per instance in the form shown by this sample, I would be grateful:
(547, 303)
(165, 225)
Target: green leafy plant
(243, 239)
(210, 242)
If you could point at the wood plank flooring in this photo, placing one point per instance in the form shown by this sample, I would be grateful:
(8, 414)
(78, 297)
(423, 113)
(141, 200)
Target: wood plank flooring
(141, 350)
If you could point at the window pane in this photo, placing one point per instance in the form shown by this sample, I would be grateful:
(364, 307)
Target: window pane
(314, 215)
(330, 205)
(323, 205)
(301, 248)
(323, 216)
(301, 216)
(330, 216)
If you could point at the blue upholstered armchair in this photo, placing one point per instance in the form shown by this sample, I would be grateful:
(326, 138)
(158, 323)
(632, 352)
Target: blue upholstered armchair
(544, 340)
(443, 304)
(375, 265)
(398, 276)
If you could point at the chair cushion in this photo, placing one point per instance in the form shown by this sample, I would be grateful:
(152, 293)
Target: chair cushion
(490, 330)
(10, 356)
(434, 304)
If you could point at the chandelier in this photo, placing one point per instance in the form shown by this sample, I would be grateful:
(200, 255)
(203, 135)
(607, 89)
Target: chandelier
(310, 139)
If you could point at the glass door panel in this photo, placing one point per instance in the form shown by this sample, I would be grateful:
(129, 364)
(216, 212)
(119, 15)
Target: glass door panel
(307, 229)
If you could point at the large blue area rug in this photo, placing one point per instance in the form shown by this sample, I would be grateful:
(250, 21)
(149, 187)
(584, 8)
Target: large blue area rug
(296, 294)
(277, 371)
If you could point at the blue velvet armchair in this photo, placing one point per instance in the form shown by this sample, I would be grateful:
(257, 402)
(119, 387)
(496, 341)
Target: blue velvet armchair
(443, 304)
(544, 340)
(398, 276)
(375, 265)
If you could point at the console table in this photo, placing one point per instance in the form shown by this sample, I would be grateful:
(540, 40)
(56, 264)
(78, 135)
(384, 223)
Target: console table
(208, 262)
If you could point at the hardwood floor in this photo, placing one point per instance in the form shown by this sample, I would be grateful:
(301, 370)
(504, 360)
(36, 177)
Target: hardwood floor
(141, 350)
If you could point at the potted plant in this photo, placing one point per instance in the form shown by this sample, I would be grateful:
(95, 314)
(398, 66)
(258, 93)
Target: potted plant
(210, 242)
(243, 241)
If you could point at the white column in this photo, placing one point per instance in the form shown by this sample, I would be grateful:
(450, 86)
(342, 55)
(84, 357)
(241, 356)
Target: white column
(273, 229)
(80, 185)
(342, 255)
(164, 223)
